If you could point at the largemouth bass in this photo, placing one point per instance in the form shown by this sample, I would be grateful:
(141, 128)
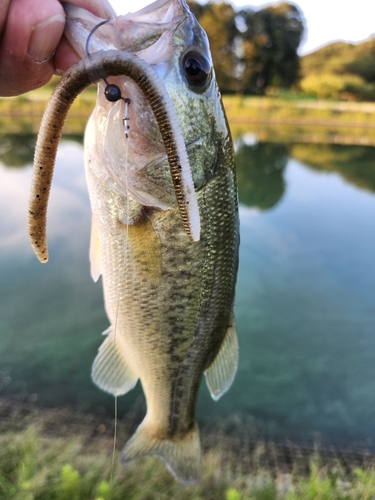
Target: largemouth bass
(164, 237)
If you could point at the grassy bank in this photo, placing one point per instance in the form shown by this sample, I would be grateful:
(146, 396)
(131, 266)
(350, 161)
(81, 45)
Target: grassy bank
(63, 455)
(269, 118)
(24, 113)
(302, 120)
(303, 112)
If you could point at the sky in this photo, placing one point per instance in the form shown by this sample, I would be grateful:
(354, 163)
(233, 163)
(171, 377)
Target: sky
(326, 20)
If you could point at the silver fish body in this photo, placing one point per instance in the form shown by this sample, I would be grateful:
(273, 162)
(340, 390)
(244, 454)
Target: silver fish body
(169, 298)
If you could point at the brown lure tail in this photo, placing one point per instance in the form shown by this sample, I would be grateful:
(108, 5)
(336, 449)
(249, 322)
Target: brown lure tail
(75, 80)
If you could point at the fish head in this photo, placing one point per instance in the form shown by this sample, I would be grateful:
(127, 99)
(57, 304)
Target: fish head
(167, 36)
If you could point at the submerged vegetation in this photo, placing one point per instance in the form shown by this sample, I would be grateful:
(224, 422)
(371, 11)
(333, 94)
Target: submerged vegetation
(59, 455)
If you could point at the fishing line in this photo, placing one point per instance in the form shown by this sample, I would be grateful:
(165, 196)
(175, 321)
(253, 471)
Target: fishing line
(112, 93)
(121, 281)
(91, 33)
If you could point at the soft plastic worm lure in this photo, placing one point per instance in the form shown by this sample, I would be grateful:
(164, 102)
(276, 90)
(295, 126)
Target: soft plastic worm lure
(95, 67)
(112, 92)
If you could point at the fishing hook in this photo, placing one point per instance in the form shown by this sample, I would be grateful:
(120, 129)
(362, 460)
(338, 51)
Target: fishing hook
(112, 92)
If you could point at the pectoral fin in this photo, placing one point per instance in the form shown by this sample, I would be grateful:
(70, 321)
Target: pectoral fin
(110, 370)
(220, 375)
(95, 252)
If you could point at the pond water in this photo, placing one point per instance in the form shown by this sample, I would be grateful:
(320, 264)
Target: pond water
(305, 303)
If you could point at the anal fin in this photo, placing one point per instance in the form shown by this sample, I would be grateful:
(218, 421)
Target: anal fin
(110, 370)
(220, 375)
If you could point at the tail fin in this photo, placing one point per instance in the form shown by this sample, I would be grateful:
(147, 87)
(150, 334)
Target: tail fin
(182, 455)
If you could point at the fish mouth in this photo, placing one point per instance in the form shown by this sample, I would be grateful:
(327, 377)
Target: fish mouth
(133, 32)
(74, 81)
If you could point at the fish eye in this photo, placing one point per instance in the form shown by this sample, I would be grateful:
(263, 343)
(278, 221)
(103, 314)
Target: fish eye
(197, 69)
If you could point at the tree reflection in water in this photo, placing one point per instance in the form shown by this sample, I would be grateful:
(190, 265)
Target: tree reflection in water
(356, 164)
(17, 150)
(260, 168)
(260, 173)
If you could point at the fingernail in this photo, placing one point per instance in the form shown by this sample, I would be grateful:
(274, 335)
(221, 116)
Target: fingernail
(45, 38)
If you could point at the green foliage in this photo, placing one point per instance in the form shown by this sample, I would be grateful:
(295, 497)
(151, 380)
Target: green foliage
(331, 85)
(260, 170)
(70, 484)
(232, 494)
(316, 487)
(340, 70)
(323, 85)
(252, 50)
(218, 20)
(33, 467)
(104, 490)
(270, 44)
(364, 487)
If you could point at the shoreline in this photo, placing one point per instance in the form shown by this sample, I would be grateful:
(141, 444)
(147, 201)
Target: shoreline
(335, 116)
(17, 416)
(55, 454)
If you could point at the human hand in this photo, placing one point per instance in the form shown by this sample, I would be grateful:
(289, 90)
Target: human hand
(32, 46)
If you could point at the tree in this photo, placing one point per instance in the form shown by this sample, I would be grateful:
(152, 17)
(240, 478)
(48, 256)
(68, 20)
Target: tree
(340, 70)
(252, 50)
(270, 42)
(218, 21)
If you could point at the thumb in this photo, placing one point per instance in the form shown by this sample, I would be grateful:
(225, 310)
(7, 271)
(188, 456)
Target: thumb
(31, 34)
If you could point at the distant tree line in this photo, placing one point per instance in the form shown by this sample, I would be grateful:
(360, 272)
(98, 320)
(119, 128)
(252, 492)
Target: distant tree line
(252, 50)
(340, 70)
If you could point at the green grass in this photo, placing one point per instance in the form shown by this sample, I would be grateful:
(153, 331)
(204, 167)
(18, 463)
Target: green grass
(24, 113)
(59, 455)
(299, 111)
(326, 119)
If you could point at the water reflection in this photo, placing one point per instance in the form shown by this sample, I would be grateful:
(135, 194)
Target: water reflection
(260, 173)
(305, 302)
(17, 150)
(354, 163)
